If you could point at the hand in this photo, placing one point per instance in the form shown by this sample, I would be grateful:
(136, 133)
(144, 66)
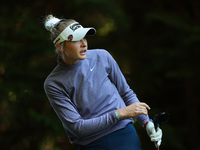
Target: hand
(155, 135)
(133, 110)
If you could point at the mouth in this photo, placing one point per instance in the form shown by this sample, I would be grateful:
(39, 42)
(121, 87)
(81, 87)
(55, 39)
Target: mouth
(83, 52)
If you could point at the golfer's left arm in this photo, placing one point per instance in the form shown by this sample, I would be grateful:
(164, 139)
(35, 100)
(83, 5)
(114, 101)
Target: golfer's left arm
(126, 92)
(133, 104)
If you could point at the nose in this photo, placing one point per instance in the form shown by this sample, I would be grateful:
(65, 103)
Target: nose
(83, 42)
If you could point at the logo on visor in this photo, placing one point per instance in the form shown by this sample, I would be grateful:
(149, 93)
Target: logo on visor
(75, 26)
(70, 37)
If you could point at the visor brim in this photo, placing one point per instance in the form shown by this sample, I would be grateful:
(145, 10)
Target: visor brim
(74, 32)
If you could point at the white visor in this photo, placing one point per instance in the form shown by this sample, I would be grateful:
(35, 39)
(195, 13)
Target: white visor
(74, 32)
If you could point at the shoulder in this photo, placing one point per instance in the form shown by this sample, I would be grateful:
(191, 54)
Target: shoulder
(48, 82)
(98, 54)
(101, 56)
(97, 51)
(52, 78)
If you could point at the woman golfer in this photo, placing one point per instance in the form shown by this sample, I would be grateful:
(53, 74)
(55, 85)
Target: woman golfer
(90, 95)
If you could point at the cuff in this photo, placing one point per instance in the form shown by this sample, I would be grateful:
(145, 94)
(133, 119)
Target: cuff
(146, 121)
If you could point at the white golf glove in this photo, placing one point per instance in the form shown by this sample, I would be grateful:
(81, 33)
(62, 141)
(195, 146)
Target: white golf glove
(155, 135)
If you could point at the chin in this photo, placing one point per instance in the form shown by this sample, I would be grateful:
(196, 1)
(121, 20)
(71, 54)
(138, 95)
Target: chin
(82, 57)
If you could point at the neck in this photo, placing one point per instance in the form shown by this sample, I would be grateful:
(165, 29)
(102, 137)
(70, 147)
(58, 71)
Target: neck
(69, 60)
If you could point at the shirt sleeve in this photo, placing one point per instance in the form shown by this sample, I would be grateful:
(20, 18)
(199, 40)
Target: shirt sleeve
(71, 119)
(122, 86)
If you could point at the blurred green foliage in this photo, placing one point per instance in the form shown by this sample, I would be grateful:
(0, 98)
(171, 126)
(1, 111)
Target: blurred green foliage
(156, 44)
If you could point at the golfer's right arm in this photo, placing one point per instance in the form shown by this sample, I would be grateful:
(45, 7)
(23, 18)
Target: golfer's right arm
(72, 120)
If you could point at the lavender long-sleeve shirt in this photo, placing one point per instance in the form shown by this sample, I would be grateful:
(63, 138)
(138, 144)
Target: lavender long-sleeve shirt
(86, 95)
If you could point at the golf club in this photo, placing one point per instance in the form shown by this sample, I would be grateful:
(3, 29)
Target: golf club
(160, 119)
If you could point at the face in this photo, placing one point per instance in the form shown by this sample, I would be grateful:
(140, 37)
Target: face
(73, 51)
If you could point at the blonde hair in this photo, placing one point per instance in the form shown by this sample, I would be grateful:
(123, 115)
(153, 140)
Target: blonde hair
(56, 26)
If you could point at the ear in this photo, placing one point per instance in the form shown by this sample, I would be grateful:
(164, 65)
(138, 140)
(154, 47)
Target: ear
(59, 47)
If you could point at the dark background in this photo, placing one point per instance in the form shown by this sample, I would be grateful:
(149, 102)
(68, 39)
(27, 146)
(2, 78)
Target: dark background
(156, 44)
